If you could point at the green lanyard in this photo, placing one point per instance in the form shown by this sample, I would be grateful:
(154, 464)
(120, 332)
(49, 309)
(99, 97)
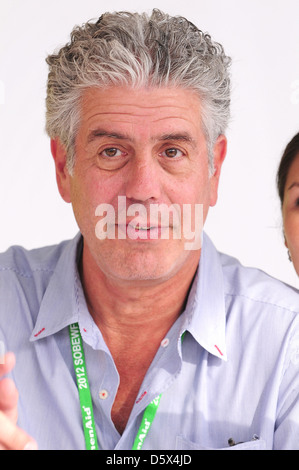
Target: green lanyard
(86, 402)
(83, 388)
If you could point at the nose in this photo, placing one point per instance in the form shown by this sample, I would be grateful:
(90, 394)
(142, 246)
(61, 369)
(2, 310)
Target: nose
(143, 182)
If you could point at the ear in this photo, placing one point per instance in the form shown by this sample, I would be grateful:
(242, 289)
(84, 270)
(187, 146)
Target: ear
(219, 151)
(62, 175)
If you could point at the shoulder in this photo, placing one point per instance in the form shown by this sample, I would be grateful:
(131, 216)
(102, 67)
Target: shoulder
(26, 277)
(24, 263)
(254, 285)
(25, 274)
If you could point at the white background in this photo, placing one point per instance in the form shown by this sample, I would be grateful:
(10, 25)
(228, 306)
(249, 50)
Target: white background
(261, 36)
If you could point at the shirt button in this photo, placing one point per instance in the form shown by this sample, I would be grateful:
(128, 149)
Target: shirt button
(103, 394)
(165, 342)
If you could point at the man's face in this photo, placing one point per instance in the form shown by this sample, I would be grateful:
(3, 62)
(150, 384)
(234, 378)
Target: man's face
(147, 146)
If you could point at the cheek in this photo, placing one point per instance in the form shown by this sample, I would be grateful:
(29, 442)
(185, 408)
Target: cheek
(195, 187)
(291, 230)
(84, 197)
(196, 196)
(92, 190)
(201, 193)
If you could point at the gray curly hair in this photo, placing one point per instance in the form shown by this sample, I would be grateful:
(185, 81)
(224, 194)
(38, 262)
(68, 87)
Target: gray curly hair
(136, 50)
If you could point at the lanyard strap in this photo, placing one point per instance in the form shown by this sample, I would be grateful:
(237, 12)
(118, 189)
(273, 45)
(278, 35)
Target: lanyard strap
(86, 401)
(146, 422)
(83, 388)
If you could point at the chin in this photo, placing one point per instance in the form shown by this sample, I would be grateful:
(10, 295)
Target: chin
(141, 265)
(142, 271)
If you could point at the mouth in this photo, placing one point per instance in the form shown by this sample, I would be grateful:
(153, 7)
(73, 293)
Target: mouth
(140, 231)
(140, 227)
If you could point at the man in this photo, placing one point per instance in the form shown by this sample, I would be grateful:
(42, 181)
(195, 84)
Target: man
(180, 346)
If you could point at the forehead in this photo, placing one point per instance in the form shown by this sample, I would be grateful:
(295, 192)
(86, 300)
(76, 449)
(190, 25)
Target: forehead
(143, 108)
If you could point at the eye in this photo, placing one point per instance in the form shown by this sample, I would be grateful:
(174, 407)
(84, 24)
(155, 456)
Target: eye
(172, 153)
(111, 152)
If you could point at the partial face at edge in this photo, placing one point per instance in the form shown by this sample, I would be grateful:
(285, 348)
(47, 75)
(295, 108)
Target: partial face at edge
(290, 211)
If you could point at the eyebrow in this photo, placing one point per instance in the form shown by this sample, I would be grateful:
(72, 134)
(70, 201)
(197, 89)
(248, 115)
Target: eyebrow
(295, 184)
(184, 137)
(178, 137)
(101, 133)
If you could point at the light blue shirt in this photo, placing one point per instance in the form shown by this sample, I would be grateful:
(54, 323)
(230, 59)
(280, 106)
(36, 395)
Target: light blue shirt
(236, 375)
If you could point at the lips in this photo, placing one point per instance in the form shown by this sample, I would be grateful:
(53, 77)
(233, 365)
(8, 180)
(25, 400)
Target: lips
(141, 231)
(142, 227)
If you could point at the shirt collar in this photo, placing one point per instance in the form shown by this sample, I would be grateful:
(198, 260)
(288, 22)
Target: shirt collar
(59, 306)
(205, 315)
(205, 311)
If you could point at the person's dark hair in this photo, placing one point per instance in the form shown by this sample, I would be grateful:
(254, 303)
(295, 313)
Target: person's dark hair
(289, 155)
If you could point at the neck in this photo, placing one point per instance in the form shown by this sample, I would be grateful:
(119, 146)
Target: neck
(134, 309)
